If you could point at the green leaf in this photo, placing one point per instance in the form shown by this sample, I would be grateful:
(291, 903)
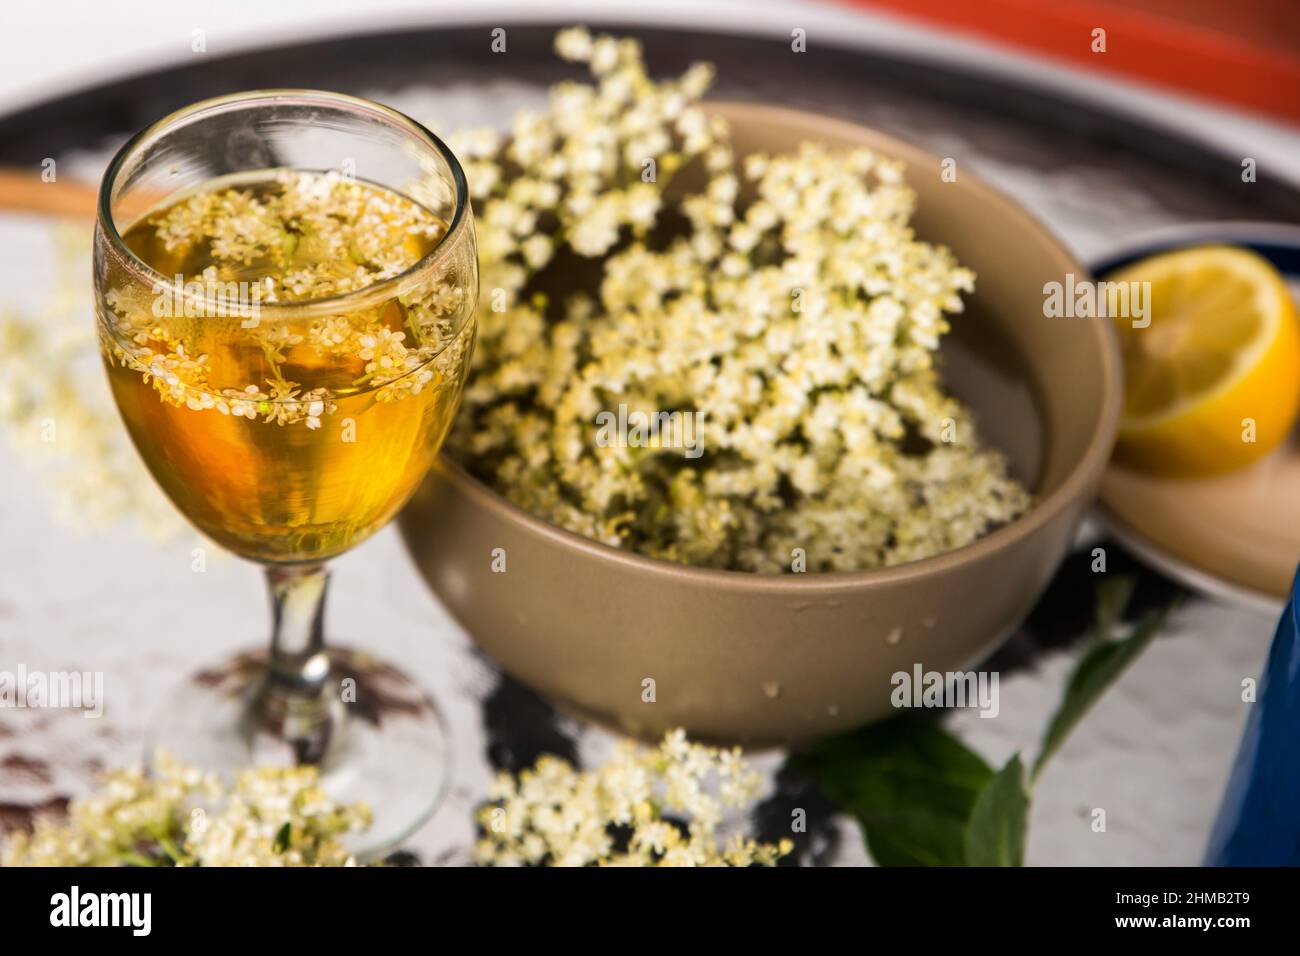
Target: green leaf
(911, 785)
(1113, 595)
(924, 799)
(282, 837)
(995, 835)
(1101, 664)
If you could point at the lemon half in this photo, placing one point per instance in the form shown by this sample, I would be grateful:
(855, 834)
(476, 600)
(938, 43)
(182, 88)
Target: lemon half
(1213, 381)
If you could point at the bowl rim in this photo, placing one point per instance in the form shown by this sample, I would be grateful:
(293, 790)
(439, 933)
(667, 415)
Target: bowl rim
(1080, 483)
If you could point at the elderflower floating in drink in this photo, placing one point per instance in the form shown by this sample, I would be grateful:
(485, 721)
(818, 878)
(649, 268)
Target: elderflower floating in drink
(284, 435)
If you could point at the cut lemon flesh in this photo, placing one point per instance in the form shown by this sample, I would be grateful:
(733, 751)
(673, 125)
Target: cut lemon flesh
(1212, 369)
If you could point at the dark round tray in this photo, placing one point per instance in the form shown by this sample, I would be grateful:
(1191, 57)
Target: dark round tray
(990, 119)
(1080, 163)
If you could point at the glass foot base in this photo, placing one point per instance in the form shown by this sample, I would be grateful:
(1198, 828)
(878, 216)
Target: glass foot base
(377, 737)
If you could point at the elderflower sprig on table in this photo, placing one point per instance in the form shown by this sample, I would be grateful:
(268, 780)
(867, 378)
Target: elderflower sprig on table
(58, 414)
(642, 807)
(180, 816)
(790, 308)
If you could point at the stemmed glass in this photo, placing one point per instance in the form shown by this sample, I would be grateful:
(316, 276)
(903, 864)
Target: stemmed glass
(290, 428)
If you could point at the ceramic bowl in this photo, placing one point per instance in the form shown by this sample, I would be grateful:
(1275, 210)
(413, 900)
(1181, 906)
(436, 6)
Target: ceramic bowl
(785, 659)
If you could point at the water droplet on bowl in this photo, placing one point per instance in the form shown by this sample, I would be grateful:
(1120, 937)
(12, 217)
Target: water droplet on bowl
(772, 689)
(895, 636)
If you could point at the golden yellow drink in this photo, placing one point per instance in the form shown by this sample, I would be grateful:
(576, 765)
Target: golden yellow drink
(286, 430)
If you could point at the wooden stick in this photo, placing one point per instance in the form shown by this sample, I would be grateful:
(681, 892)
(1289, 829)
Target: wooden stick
(23, 191)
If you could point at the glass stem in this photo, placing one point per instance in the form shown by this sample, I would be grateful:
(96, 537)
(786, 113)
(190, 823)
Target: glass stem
(292, 709)
(298, 660)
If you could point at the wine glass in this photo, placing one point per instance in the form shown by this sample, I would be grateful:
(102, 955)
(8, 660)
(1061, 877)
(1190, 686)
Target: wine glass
(285, 288)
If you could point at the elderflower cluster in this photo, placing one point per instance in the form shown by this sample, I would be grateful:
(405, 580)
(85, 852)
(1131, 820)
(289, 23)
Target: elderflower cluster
(643, 807)
(58, 414)
(180, 816)
(305, 236)
(314, 235)
(782, 301)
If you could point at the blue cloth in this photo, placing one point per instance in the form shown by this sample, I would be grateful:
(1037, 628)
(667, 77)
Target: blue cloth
(1259, 821)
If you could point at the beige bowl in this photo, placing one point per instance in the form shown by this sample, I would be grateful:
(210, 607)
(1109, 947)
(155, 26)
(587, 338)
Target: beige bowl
(784, 659)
